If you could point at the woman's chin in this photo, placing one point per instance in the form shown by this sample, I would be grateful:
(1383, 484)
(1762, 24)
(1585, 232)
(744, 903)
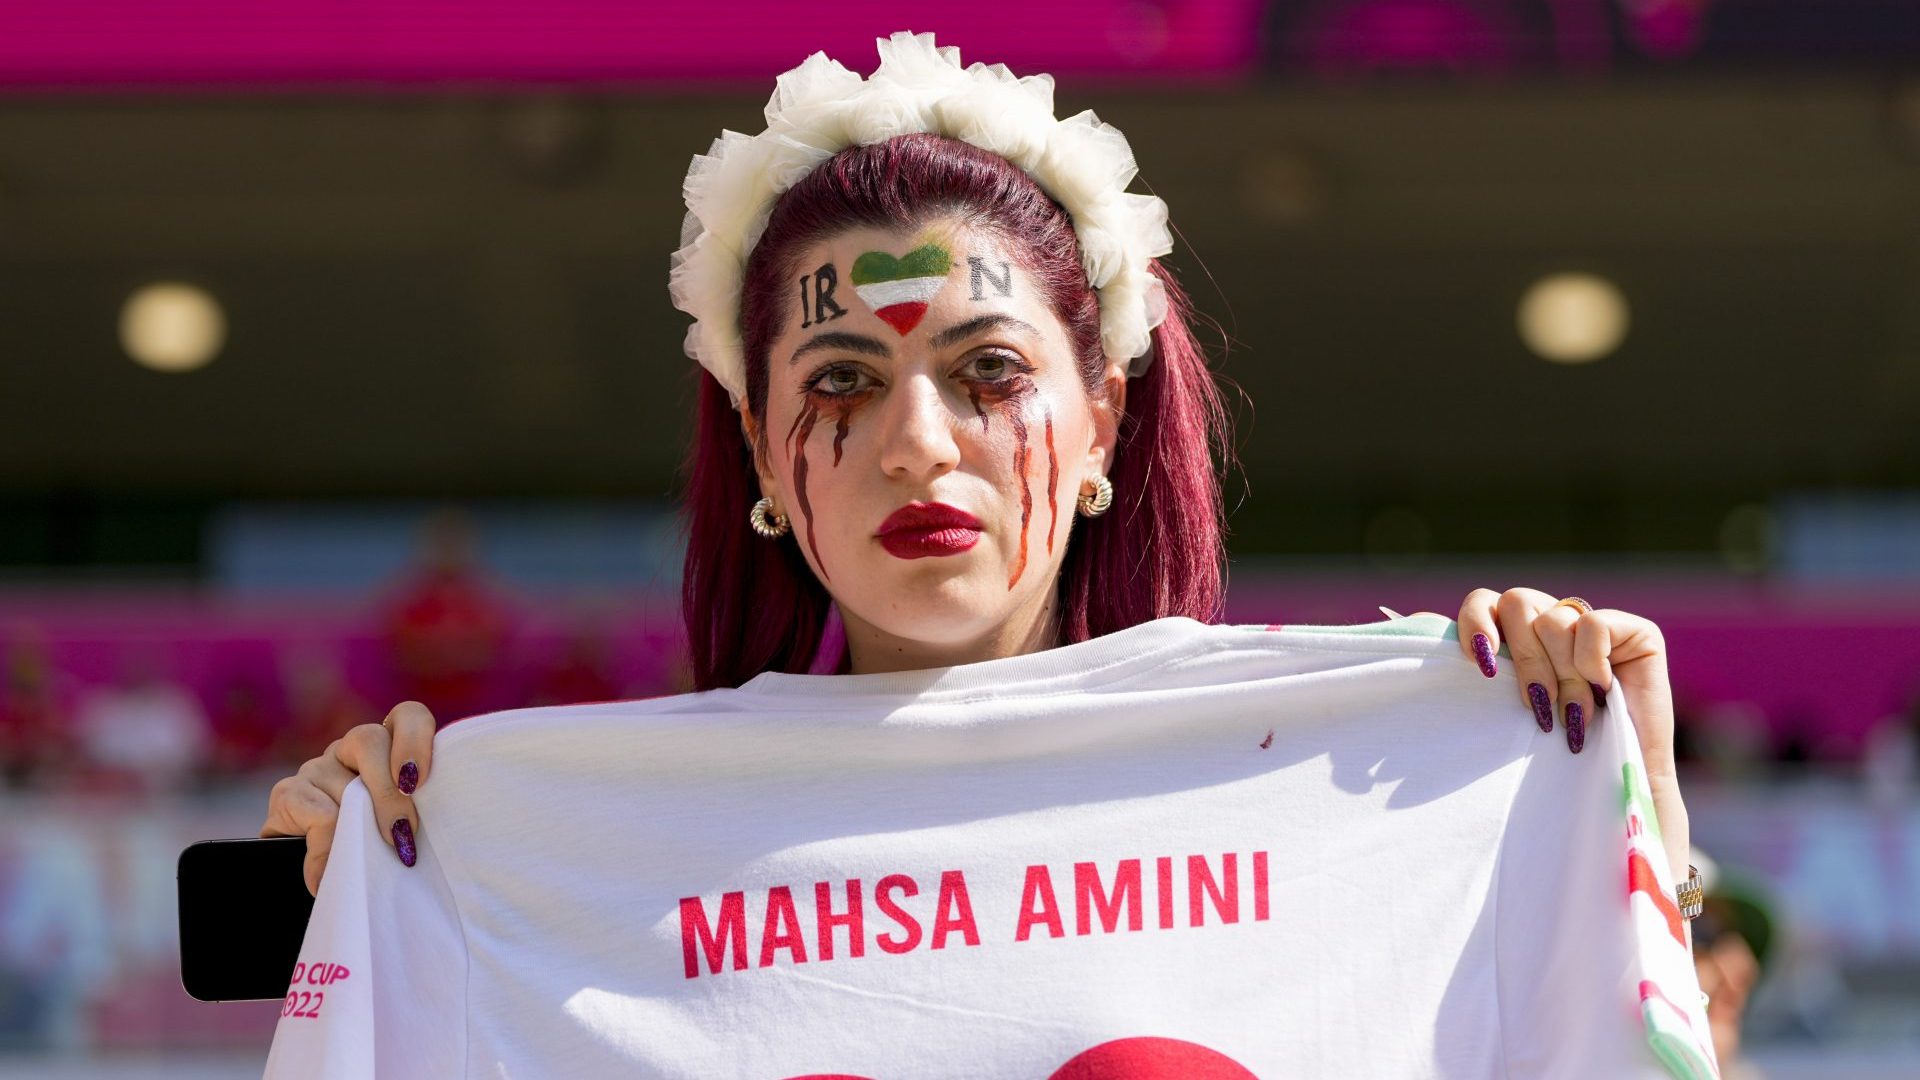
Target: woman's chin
(930, 585)
(935, 599)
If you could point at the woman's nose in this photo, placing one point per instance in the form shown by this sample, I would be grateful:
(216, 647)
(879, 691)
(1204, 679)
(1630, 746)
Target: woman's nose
(917, 440)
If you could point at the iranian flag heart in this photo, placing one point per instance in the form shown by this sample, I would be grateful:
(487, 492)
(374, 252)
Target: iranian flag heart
(897, 289)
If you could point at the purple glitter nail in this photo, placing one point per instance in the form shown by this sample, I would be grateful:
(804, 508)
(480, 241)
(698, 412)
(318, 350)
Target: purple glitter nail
(403, 840)
(1599, 695)
(1542, 706)
(409, 778)
(1483, 652)
(1576, 726)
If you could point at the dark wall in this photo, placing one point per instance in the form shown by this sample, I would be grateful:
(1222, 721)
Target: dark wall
(464, 295)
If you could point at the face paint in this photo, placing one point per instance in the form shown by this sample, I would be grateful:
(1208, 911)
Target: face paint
(978, 274)
(974, 316)
(840, 431)
(899, 289)
(1009, 395)
(797, 435)
(1021, 454)
(1053, 484)
(820, 306)
(973, 394)
(803, 425)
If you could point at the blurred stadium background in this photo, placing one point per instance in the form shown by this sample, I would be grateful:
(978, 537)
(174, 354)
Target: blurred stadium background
(336, 368)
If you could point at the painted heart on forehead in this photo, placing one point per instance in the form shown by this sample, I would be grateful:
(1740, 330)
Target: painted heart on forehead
(899, 289)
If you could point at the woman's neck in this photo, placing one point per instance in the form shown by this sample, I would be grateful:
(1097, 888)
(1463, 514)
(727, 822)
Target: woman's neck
(873, 650)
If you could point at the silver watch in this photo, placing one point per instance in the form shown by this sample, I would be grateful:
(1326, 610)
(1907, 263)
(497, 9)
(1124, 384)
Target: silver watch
(1692, 897)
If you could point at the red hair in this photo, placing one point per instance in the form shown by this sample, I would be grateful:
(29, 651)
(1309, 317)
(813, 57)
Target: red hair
(754, 605)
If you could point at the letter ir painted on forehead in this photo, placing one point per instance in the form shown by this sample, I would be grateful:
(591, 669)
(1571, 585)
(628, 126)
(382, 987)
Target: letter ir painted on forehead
(822, 307)
(898, 289)
(978, 274)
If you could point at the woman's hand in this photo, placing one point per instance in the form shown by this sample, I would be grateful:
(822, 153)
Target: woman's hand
(1566, 660)
(391, 759)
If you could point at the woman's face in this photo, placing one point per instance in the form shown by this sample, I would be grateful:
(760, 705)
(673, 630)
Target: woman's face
(915, 371)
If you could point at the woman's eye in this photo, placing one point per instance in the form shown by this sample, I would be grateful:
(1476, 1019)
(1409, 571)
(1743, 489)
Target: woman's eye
(848, 380)
(993, 367)
(838, 381)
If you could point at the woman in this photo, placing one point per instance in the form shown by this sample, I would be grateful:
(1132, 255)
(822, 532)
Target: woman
(949, 332)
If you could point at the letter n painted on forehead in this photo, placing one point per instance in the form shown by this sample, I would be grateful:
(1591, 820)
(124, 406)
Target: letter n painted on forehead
(898, 289)
(978, 274)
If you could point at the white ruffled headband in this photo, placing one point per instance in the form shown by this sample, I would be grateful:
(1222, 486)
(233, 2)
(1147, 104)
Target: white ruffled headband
(821, 108)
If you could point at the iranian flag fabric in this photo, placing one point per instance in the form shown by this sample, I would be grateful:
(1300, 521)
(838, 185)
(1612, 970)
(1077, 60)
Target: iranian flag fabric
(1176, 851)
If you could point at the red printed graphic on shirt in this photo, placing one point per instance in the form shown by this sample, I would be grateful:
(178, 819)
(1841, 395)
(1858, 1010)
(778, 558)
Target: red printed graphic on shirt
(716, 938)
(1139, 1058)
(306, 1004)
(1641, 879)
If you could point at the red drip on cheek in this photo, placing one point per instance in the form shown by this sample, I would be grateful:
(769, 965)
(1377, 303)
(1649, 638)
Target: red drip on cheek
(1053, 484)
(803, 425)
(985, 420)
(840, 432)
(1021, 457)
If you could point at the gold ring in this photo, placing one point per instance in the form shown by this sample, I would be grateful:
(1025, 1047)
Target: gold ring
(1577, 602)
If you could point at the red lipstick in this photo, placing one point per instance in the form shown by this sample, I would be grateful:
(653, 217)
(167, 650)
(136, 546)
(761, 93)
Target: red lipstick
(919, 529)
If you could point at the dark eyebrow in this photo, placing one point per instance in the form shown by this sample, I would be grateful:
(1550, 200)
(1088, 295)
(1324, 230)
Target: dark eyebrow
(962, 331)
(840, 339)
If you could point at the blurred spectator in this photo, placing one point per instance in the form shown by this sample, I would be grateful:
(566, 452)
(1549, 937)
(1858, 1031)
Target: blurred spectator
(321, 706)
(56, 935)
(1735, 743)
(145, 732)
(581, 673)
(447, 627)
(1890, 763)
(1792, 755)
(34, 740)
(1691, 745)
(1732, 939)
(246, 725)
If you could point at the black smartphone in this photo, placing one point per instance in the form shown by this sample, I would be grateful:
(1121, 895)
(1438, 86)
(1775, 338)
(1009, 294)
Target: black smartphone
(243, 912)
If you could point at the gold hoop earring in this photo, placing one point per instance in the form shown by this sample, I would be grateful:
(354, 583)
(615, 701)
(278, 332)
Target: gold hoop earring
(1096, 504)
(757, 517)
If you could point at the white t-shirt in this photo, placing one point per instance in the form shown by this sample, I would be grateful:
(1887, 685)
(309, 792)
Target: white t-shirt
(1180, 850)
